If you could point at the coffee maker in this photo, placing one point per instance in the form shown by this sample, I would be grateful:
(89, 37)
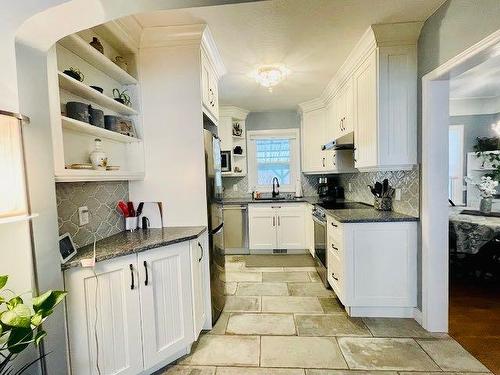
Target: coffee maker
(329, 190)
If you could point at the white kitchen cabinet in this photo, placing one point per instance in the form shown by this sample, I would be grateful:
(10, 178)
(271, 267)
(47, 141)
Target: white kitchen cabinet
(372, 267)
(261, 227)
(312, 138)
(104, 318)
(166, 302)
(344, 120)
(277, 226)
(139, 312)
(209, 87)
(201, 283)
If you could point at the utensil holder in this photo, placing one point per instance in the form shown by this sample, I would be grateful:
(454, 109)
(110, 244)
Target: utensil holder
(383, 203)
(131, 223)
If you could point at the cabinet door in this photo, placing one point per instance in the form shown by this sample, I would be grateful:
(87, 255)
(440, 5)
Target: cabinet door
(104, 320)
(365, 113)
(199, 256)
(262, 227)
(166, 302)
(347, 102)
(313, 137)
(213, 94)
(205, 80)
(291, 226)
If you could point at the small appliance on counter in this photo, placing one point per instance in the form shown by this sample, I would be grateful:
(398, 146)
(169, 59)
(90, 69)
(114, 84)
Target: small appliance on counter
(328, 190)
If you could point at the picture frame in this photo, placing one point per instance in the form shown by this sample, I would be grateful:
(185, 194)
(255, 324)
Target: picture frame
(225, 161)
(67, 248)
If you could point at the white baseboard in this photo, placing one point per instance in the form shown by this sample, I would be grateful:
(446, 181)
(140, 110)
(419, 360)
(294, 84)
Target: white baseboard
(380, 312)
(270, 252)
(417, 315)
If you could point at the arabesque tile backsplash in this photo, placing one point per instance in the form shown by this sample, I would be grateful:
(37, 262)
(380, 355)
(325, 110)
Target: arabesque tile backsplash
(101, 199)
(407, 181)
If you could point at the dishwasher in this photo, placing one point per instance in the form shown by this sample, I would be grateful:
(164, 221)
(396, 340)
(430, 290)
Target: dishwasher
(236, 229)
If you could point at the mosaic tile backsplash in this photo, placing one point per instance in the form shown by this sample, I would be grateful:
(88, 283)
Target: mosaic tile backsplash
(101, 199)
(407, 181)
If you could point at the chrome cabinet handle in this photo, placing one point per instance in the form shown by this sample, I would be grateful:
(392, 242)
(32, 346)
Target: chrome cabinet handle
(131, 266)
(147, 276)
(201, 247)
(334, 278)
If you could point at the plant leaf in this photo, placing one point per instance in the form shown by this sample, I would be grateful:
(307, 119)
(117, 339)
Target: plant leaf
(3, 280)
(19, 339)
(13, 302)
(47, 301)
(19, 316)
(37, 319)
(39, 337)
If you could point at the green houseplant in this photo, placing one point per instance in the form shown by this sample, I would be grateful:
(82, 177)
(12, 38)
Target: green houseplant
(481, 148)
(21, 325)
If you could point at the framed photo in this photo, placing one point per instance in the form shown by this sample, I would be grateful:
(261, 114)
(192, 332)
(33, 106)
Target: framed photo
(126, 127)
(67, 248)
(225, 161)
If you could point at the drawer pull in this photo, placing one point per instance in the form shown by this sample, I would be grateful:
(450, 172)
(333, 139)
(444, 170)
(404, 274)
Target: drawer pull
(132, 276)
(334, 278)
(146, 271)
(334, 225)
(335, 248)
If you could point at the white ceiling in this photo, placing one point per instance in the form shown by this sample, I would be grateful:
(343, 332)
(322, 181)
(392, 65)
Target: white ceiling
(482, 81)
(311, 37)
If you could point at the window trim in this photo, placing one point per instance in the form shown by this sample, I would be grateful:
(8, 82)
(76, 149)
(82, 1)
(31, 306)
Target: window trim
(294, 136)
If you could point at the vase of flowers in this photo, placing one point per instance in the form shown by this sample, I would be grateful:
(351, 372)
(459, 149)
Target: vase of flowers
(487, 188)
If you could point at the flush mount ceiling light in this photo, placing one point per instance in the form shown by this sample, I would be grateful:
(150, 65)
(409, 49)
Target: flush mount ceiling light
(271, 75)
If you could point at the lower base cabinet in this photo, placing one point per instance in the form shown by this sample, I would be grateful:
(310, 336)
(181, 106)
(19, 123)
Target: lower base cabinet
(135, 314)
(372, 267)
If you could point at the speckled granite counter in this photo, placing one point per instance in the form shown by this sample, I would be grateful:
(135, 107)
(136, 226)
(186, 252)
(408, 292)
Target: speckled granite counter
(368, 215)
(229, 201)
(126, 243)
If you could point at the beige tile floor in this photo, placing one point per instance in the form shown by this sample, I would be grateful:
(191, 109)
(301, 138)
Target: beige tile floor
(282, 321)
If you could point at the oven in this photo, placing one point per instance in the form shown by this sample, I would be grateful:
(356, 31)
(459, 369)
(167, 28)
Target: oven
(320, 244)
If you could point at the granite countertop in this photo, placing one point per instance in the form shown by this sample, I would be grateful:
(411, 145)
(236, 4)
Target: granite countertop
(368, 215)
(230, 201)
(126, 243)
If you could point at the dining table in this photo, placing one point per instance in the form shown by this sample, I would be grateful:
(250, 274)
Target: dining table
(473, 231)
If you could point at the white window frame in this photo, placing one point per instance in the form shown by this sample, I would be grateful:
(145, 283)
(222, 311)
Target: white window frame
(294, 136)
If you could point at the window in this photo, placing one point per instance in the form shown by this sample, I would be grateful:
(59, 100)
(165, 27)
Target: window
(273, 153)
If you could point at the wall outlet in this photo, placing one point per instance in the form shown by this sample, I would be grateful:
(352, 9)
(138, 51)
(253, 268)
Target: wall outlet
(235, 187)
(83, 215)
(349, 187)
(397, 195)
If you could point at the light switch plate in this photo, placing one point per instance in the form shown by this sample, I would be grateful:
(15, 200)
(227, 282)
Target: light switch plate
(349, 187)
(83, 215)
(398, 195)
(235, 187)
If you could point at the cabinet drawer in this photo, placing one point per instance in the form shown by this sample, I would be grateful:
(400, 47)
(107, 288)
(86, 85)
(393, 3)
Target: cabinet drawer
(336, 247)
(334, 229)
(335, 273)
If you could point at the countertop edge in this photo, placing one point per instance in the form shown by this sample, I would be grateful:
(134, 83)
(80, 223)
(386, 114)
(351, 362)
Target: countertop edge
(134, 250)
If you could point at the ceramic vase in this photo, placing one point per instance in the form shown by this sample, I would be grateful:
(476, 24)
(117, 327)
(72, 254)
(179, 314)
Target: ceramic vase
(485, 205)
(96, 43)
(383, 204)
(98, 157)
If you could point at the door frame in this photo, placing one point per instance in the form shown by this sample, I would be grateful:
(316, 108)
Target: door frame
(459, 128)
(434, 202)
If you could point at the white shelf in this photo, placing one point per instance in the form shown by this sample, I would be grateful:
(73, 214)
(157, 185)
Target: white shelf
(83, 127)
(78, 175)
(78, 88)
(239, 155)
(233, 174)
(238, 137)
(81, 48)
(118, 38)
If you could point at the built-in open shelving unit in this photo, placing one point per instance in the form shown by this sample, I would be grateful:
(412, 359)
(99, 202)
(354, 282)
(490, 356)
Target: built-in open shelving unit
(228, 117)
(73, 139)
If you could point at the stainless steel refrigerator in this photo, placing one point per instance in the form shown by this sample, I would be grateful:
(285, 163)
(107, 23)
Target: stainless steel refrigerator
(215, 222)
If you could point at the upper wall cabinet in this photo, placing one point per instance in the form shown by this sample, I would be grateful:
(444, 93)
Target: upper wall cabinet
(373, 95)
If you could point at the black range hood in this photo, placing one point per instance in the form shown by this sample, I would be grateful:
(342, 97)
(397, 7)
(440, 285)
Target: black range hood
(346, 142)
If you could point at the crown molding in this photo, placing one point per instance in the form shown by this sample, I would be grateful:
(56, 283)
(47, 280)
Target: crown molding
(210, 48)
(234, 112)
(489, 105)
(312, 105)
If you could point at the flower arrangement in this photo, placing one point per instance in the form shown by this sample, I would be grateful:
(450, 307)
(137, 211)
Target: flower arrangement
(486, 186)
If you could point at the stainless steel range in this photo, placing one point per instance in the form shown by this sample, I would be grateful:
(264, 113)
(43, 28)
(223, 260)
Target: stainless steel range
(320, 232)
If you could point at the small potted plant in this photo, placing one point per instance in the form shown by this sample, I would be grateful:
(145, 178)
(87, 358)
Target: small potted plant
(21, 325)
(122, 97)
(487, 188)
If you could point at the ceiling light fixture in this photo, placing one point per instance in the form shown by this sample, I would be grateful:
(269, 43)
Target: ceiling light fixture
(271, 75)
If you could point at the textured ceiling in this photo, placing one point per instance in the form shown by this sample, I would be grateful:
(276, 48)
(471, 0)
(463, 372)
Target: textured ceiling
(482, 81)
(311, 37)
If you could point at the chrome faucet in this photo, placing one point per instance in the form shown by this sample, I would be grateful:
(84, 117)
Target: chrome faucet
(276, 186)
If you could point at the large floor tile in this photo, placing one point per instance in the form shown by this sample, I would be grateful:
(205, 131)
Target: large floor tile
(450, 356)
(309, 290)
(242, 304)
(330, 325)
(331, 305)
(216, 350)
(349, 372)
(302, 352)
(314, 276)
(442, 373)
(285, 277)
(391, 327)
(258, 371)
(243, 276)
(291, 304)
(262, 289)
(263, 269)
(189, 370)
(385, 354)
(261, 324)
(299, 269)
(220, 326)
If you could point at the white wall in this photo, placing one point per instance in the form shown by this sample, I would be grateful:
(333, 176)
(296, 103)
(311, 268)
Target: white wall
(173, 134)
